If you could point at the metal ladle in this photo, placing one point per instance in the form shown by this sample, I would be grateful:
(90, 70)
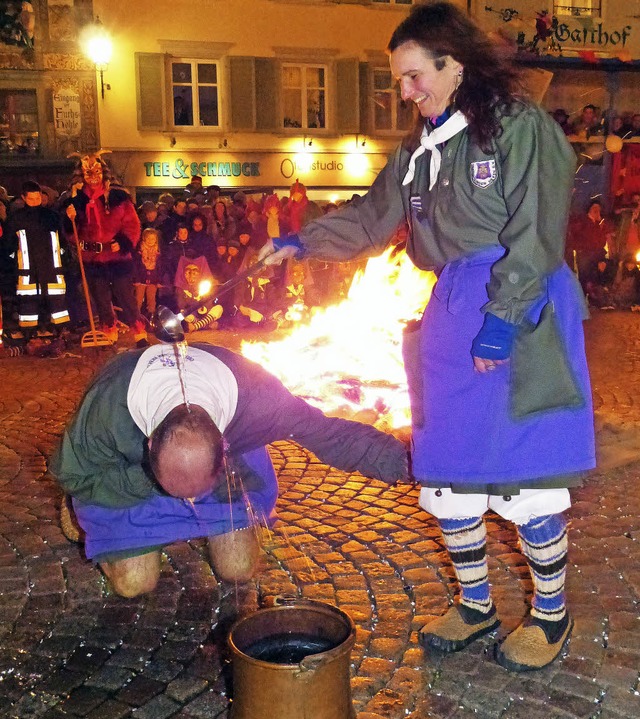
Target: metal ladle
(168, 326)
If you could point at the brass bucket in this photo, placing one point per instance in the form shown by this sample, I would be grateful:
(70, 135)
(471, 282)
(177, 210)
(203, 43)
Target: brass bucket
(291, 661)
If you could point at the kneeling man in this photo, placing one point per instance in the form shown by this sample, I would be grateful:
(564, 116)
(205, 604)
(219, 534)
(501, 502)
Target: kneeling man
(166, 448)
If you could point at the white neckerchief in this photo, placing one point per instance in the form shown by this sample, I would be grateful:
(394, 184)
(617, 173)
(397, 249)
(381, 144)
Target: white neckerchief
(155, 387)
(446, 131)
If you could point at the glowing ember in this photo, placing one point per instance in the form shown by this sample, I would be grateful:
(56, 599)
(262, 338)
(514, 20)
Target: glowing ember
(347, 359)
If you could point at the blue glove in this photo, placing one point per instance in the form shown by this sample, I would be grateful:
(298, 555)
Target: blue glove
(288, 241)
(495, 339)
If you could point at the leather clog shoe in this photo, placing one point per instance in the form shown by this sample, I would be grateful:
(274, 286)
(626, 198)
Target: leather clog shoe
(530, 647)
(457, 628)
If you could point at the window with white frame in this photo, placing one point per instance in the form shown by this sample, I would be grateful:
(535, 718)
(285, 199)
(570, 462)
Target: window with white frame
(390, 113)
(195, 93)
(304, 96)
(578, 8)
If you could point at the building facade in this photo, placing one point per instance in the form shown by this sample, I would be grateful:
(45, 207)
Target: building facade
(254, 94)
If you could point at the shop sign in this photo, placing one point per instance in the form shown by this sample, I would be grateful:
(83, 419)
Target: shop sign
(592, 35)
(272, 168)
(66, 112)
(181, 169)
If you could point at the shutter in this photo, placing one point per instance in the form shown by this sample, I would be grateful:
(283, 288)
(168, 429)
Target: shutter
(347, 95)
(267, 93)
(242, 93)
(150, 91)
(366, 124)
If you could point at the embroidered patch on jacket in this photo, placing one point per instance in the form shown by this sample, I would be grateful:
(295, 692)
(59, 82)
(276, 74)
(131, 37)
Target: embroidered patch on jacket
(483, 173)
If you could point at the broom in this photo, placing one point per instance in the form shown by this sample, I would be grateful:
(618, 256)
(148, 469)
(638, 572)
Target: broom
(93, 338)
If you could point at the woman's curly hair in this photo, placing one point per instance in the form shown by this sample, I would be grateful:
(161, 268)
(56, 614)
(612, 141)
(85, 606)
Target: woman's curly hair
(491, 83)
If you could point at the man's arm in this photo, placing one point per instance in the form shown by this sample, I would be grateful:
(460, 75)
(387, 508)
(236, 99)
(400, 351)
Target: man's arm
(268, 412)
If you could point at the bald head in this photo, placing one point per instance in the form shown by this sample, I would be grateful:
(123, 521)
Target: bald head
(185, 452)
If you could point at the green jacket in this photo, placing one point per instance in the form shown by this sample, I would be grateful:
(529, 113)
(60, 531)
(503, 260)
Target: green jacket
(524, 208)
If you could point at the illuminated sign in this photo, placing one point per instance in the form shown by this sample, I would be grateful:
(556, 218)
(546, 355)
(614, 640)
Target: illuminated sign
(184, 170)
(168, 169)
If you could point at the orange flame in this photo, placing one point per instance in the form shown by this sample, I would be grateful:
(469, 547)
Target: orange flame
(347, 359)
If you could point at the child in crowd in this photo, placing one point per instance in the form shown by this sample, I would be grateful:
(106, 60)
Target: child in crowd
(198, 234)
(626, 285)
(255, 297)
(147, 275)
(599, 285)
(180, 246)
(148, 214)
(297, 296)
(230, 258)
(189, 291)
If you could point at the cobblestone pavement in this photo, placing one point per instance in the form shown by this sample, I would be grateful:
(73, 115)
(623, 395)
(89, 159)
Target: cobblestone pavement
(69, 648)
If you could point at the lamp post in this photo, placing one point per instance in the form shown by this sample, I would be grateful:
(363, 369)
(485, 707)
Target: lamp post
(97, 46)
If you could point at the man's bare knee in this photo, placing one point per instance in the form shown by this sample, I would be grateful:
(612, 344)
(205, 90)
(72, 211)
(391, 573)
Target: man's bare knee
(235, 555)
(133, 576)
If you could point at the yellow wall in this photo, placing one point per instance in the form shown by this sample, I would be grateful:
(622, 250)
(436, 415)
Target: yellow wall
(253, 27)
(259, 28)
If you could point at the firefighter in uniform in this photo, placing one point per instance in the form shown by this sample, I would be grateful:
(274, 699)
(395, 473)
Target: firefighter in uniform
(34, 235)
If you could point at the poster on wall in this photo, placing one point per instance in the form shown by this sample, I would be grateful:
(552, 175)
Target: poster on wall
(67, 120)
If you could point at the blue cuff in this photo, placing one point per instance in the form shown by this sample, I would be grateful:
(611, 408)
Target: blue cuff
(495, 339)
(288, 241)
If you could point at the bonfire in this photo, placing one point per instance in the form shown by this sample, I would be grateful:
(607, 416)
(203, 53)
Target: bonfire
(347, 359)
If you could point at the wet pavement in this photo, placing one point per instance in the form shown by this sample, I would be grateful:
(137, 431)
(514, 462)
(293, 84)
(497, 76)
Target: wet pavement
(70, 648)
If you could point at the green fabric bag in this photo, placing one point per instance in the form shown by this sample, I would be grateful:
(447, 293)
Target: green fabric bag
(541, 378)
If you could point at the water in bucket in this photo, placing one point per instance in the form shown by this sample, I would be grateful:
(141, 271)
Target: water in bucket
(289, 648)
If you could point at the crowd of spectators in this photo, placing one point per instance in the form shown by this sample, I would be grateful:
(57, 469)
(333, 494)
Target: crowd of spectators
(592, 121)
(190, 243)
(200, 236)
(604, 251)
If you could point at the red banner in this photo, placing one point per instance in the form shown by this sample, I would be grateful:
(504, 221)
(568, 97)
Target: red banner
(625, 175)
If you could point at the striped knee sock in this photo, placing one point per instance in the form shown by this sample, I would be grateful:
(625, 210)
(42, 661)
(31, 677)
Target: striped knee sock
(544, 543)
(466, 540)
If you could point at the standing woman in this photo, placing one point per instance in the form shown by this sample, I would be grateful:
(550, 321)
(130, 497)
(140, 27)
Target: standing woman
(484, 183)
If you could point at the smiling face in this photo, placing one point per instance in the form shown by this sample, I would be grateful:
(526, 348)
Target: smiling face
(421, 81)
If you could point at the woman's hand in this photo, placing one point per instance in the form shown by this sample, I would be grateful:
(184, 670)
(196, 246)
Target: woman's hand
(271, 256)
(486, 365)
(492, 345)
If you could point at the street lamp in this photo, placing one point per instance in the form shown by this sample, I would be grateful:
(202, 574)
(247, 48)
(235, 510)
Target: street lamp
(97, 46)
